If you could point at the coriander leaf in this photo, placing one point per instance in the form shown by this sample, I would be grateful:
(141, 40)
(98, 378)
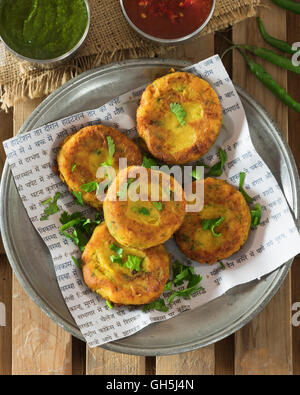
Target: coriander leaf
(197, 174)
(211, 224)
(133, 263)
(186, 293)
(217, 169)
(78, 196)
(111, 146)
(116, 249)
(179, 112)
(148, 162)
(109, 304)
(168, 286)
(158, 205)
(140, 210)
(255, 215)
(222, 265)
(77, 263)
(73, 167)
(158, 304)
(89, 187)
(242, 190)
(65, 217)
(116, 259)
(52, 206)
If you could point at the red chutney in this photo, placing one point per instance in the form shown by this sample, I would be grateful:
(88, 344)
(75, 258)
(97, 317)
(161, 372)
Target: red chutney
(168, 19)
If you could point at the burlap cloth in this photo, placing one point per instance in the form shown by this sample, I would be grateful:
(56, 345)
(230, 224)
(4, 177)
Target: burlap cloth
(109, 39)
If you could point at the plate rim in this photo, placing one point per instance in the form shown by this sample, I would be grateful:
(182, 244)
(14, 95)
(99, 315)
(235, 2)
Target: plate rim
(115, 346)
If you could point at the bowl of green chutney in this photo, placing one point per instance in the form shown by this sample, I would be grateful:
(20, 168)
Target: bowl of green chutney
(46, 32)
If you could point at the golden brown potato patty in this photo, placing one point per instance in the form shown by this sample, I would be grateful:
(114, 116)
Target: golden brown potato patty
(82, 153)
(116, 282)
(179, 117)
(221, 201)
(149, 221)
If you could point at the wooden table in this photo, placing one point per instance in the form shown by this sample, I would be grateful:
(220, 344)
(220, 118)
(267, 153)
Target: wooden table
(31, 343)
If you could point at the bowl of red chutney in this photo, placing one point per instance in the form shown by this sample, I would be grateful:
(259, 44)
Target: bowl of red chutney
(168, 22)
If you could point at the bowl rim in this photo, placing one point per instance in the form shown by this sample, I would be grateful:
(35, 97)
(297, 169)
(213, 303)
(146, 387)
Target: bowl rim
(61, 57)
(171, 41)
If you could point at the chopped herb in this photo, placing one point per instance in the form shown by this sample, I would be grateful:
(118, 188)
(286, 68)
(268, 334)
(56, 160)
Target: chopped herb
(186, 293)
(197, 174)
(77, 263)
(217, 169)
(255, 215)
(78, 196)
(168, 286)
(158, 304)
(82, 228)
(52, 206)
(141, 210)
(222, 265)
(116, 259)
(242, 190)
(117, 249)
(133, 263)
(211, 224)
(109, 304)
(90, 186)
(73, 167)
(148, 162)
(158, 205)
(111, 151)
(179, 111)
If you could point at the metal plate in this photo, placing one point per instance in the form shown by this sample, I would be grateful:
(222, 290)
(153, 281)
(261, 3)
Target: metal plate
(31, 261)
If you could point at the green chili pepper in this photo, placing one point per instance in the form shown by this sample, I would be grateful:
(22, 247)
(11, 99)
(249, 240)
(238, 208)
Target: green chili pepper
(271, 84)
(270, 56)
(275, 42)
(289, 5)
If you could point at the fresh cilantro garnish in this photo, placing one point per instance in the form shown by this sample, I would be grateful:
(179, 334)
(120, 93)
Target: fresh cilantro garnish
(158, 205)
(77, 263)
(158, 304)
(123, 188)
(197, 173)
(217, 169)
(211, 224)
(78, 196)
(90, 186)
(73, 167)
(183, 273)
(148, 162)
(222, 265)
(111, 151)
(82, 228)
(179, 111)
(140, 210)
(242, 190)
(109, 304)
(116, 259)
(255, 215)
(52, 206)
(116, 249)
(133, 263)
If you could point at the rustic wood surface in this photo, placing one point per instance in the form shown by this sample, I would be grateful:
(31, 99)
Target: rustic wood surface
(30, 343)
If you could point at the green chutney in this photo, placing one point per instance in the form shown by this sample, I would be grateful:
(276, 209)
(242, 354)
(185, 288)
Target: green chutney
(42, 29)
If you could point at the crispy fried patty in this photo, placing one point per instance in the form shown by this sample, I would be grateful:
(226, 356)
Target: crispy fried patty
(221, 200)
(185, 137)
(82, 153)
(117, 283)
(150, 220)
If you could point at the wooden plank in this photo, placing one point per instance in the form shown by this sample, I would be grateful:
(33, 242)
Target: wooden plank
(102, 362)
(264, 346)
(5, 316)
(39, 346)
(6, 131)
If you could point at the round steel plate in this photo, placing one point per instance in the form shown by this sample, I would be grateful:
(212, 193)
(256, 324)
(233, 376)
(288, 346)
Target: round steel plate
(31, 261)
